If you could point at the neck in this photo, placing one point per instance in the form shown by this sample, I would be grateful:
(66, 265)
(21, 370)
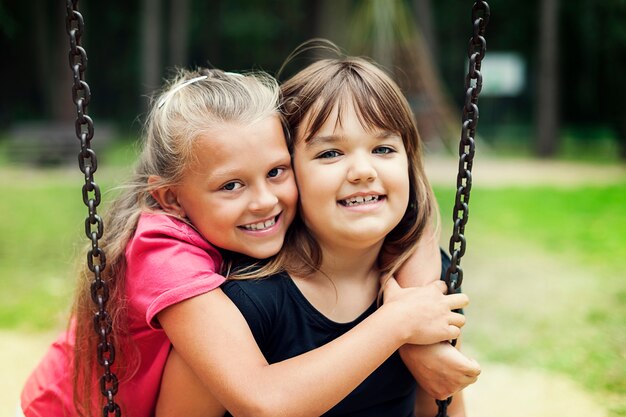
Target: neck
(356, 265)
(346, 283)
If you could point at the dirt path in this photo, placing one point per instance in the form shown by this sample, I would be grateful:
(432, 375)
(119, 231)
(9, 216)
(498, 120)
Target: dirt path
(489, 171)
(19, 353)
(501, 390)
(513, 392)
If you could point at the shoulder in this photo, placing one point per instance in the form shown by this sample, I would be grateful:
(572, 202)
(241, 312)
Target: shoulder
(154, 226)
(259, 291)
(160, 237)
(260, 301)
(167, 261)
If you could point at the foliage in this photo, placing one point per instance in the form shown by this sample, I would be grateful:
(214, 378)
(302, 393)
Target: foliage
(259, 34)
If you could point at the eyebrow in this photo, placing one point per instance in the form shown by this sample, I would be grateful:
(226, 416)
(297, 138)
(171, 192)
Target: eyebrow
(319, 139)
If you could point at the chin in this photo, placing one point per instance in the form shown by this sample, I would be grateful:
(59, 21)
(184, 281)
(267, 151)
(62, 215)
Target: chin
(265, 252)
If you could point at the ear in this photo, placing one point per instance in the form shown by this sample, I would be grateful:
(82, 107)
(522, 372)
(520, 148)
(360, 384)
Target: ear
(167, 197)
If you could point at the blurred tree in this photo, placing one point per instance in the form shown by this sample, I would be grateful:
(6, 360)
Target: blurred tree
(128, 51)
(424, 18)
(329, 18)
(547, 105)
(51, 61)
(178, 32)
(205, 42)
(151, 46)
(387, 31)
(611, 87)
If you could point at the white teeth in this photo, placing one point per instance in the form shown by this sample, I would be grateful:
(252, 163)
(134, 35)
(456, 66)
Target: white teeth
(360, 200)
(260, 225)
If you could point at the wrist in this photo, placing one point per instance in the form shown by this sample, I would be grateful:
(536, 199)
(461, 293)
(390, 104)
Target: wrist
(394, 321)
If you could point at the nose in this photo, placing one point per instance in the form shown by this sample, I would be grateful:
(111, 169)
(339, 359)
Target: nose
(263, 199)
(361, 169)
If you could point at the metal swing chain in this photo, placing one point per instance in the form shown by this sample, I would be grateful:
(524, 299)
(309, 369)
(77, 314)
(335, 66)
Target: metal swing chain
(94, 228)
(473, 85)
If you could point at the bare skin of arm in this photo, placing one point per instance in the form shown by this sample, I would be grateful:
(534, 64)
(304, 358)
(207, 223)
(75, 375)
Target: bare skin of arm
(227, 362)
(440, 369)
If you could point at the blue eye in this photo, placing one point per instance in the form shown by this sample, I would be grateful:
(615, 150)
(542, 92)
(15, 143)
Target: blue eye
(382, 150)
(231, 186)
(328, 154)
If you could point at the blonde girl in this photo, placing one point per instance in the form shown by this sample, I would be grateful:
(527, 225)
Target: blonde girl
(213, 184)
(365, 205)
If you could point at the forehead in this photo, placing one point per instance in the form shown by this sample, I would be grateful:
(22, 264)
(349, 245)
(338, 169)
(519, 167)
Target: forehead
(346, 111)
(231, 143)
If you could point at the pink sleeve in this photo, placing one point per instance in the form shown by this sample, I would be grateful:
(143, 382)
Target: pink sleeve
(168, 262)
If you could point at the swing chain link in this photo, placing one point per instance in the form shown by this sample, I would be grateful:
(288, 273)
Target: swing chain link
(473, 86)
(94, 226)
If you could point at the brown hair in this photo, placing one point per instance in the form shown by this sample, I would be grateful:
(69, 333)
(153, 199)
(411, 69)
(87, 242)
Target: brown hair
(312, 94)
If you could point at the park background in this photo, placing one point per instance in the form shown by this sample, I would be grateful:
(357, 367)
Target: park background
(547, 227)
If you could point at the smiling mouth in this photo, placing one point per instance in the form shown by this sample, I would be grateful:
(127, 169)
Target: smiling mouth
(360, 200)
(266, 224)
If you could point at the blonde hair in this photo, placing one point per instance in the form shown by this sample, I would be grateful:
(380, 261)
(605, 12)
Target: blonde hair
(190, 105)
(312, 94)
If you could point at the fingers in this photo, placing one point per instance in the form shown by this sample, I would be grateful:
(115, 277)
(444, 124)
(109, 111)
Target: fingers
(441, 286)
(453, 332)
(457, 319)
(390, 285)
(457, 301)
(474, 370)
(390, 288)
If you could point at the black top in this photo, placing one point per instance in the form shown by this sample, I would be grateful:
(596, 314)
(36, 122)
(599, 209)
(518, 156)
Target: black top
(285, 325)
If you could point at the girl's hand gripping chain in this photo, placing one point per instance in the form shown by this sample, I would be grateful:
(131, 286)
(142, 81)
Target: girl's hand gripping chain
(427, 311)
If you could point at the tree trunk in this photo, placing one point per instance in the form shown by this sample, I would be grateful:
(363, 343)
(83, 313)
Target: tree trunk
(151, 51)
(179, 33)
(330, 18)
(621, 134)
(59, 90)
(424, 17)
(547, 106)
(384, 39)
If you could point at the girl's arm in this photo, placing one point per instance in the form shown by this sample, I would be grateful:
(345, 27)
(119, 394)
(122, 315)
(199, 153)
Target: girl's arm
(440, 369)
(212, 337)
(425, 405)
(183, 394)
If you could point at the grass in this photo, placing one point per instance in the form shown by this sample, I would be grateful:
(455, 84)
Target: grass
(570, 320)
(42, 228)
(566, 323)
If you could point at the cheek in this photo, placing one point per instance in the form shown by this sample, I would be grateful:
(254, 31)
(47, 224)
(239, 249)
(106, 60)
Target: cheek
(290, 195)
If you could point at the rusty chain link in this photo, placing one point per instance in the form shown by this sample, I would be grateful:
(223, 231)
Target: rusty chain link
(94, 228)
(473, 85)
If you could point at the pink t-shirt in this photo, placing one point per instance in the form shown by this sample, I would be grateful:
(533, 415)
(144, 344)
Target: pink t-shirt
(167, 262)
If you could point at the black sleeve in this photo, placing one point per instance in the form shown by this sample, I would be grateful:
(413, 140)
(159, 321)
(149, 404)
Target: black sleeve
(445, 263)
(252, 309)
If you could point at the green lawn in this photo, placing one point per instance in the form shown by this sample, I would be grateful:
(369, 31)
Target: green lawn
(41, 224)
(582, 330)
